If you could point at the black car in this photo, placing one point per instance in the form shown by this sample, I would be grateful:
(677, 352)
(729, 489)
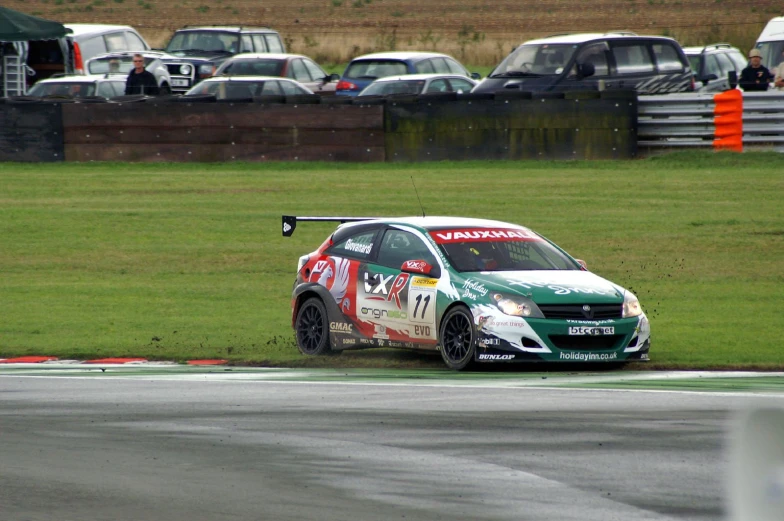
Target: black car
(199, 51)
(647, 64)
(716, 67)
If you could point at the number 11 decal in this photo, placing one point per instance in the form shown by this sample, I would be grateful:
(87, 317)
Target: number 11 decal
(424, 308)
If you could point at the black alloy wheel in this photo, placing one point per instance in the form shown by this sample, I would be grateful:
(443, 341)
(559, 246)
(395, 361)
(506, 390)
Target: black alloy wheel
(312, 328)
(458, 338)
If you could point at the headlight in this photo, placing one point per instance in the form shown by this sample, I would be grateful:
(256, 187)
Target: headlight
(516, 306)
(631, 306)
(185, 69)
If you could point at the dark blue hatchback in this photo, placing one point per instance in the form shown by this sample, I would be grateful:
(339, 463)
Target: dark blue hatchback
(363, 70)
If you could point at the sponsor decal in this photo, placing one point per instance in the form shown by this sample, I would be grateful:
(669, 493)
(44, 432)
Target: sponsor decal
(377, 284)
(587, 357)
(485, 342)
(483, 235)
(591, 331)
(467, 294)
(594, 322)
(358, 247)
(561, 290)
(341, 327)
(419, 282)
(381, 313)
(333, 274)
(380, 343)
(395, 344)
(503, 323)
(422, 331)
(349, 341)
(364, 341)
(380, 331)
(486, 356)
(400, 283)
(474, 286)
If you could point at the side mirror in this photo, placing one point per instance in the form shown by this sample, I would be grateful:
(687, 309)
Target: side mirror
(708, 78)
(476, 76)
(732, 76)
(421, 267)
(586, 69)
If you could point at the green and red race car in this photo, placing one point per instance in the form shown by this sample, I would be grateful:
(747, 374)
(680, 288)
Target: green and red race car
(475, 290)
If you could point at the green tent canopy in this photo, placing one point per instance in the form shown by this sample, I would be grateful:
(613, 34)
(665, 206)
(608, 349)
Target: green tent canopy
(20, 27)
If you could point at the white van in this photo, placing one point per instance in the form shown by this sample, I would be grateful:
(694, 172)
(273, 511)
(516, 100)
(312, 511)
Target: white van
(771, 42)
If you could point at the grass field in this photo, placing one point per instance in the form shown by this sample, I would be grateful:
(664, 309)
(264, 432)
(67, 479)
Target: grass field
(181, 261)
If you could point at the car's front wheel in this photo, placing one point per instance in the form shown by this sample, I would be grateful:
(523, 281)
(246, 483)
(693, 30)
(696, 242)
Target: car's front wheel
(458, 338)
(312, 328)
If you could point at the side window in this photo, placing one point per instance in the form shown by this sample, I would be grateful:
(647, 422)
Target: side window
(134, 42)
(273, 43)
(712, 65)
(454, 67)
(271, 88)
(667, 59)
(597, 55)
(290, 89)
(298, 71)
(119, 88)
(424, 67)
(440, 66)
(247, 43)
(358, 246)
(116, 42)
(106, 89)
(259, 43)
(739, 60)
(461, 86)
(91, 47)
(438, 86)
(398, 246)
(315, 71)
(632, 59)
(725, 63)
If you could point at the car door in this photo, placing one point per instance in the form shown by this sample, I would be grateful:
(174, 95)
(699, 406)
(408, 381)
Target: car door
(634, 66)
(322, 84)
(298, 72)
(399, 303)
(594, 54)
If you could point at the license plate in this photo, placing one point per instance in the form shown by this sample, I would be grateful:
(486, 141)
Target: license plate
(591, 331)
(179, 83)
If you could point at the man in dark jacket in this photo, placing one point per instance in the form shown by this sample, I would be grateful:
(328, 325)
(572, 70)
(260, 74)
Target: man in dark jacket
(140, 80)
(756, 76)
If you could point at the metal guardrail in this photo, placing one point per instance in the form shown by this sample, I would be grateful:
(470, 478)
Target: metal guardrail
(687, 119)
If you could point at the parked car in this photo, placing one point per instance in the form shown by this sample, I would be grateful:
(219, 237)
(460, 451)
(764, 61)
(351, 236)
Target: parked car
(122, 63)
(363, 70)
(80, 86)
(69, 55)
(248, 87)
(592, 61)
(294, 66)
(473, 289)
(197, 52)
(713, 66)
(419, 84)
(771, 42)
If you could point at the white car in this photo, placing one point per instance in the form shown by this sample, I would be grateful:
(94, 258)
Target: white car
(80, 86)
(419, 84)
(122, 63)
(248, 87)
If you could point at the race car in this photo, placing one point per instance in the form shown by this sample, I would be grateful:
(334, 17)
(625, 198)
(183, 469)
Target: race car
(475, 290)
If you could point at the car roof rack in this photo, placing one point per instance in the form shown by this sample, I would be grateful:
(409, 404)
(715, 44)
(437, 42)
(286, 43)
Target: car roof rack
(227, 26)
(289, 222)
(715, 46)
(622, 32)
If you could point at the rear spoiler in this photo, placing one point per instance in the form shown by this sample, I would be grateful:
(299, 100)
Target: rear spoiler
(290, 221)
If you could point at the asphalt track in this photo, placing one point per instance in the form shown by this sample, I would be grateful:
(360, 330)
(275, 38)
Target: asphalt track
(182, 443)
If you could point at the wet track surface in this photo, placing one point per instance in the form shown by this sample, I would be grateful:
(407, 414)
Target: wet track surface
(233, 446)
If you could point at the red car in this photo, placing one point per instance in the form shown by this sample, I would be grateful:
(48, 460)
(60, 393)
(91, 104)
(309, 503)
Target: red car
(294, 66)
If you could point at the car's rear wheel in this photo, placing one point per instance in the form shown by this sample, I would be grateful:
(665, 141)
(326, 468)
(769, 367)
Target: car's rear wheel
(312, 328)
(458, 338)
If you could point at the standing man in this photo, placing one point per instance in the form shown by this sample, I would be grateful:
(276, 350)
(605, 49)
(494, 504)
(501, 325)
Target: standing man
(140, 80)
(755, 77)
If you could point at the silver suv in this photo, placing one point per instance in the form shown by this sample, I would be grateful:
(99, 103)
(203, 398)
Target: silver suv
(716, 67)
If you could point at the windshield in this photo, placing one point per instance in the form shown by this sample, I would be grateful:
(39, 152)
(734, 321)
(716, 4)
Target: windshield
(214, 41)
(374, 69)
(489, 249)
(772, 53)
(262, 67)
(119, 64)
(382, 88)
(694, 61)
(72, 89)
(542, 59)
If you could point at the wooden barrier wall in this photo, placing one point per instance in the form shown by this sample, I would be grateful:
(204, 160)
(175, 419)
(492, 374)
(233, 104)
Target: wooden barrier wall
(516, 126)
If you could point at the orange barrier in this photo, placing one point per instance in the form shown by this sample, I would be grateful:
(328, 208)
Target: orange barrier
(728, 120)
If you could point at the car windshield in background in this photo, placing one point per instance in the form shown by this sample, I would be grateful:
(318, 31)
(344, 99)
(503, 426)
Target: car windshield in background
(72, 90)
(257, 67)
(511, 250)
(213, 41)
(771, 53)
(694, 61)
(374, 69)
(394, 87)
(121, 64)
(540, 60)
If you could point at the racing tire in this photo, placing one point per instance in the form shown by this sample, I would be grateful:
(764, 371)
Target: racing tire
(458, 338)
(312, 328)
